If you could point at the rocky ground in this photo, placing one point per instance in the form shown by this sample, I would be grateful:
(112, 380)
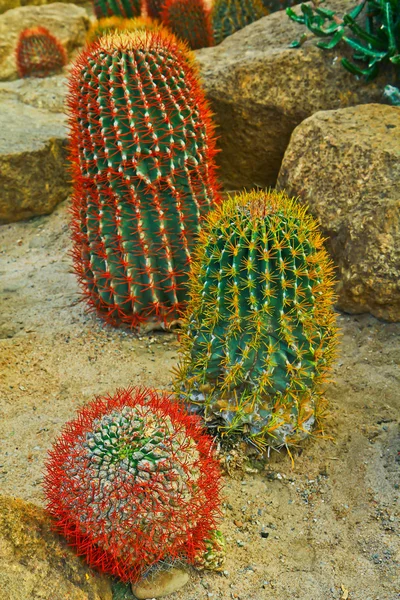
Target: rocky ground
(325, 528)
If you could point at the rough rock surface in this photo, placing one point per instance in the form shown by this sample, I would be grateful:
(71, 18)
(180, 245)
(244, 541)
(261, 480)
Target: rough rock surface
(46, 93)
(33, 161)
(346, 165)
(8, 4)
(36, 563)
(260, 90)
(68, 23)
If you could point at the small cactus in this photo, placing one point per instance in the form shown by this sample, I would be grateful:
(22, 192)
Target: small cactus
(228, 16)
(39, 53)
(154, 8)
(189, 20)
(260, 327)
(133, 481)
(128, 9)
(213, 557)
(143, 179)
(119, 24)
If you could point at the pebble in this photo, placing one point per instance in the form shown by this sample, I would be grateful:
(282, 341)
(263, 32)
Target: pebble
(161, 584)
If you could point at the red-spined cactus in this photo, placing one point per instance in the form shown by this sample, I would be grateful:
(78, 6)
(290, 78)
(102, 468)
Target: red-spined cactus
(189, 20)
(142, 151)
(154, 8)
(128, 9)
(132, 481)
(39, 53)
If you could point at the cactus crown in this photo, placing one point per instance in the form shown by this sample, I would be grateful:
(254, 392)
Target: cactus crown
(119, 24)
(39, 53)
(127, 9)
(228, 16)
(189, 20)
(260, 327)
(142, 148)
(133, 481)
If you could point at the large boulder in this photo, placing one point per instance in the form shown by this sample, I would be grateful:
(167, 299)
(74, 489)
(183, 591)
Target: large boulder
(69, 23)
(345, 164)
(33, 161)
(260, 90)
(8, 4)
(36, 563)
(47, 93)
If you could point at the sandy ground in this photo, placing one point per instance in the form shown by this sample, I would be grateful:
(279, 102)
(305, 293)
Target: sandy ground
(330, 524)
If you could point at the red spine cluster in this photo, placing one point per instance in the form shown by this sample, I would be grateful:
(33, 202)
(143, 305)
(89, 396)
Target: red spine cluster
(39, 53)
(133, 480)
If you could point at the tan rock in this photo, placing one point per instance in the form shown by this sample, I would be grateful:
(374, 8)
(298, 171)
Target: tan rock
(8, 4)
(68, 23)
(36, 563)
(260, 90)
(346, 165)
(33, 161)
(161, 584)
(46, 93)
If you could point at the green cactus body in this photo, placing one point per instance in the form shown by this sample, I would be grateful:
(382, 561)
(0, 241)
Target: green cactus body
(214, 555)
(260, 327)
(190, 21)
(142, 148)
(120, 8)
(229, 16)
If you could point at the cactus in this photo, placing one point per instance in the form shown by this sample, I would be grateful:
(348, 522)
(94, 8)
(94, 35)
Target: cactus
(154, 8)
(143, 178)
(133, 481)
(229, 16)
(260, 333)
(118, 24)
(189, 20)
(128, 9)
(213, 557)
(39, 53)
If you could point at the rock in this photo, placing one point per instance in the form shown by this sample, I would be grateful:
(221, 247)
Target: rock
(33, 161)
(8, 4)
(36, 563)
(346, 165)
(47, 93)
(68, 23)
(161, 584)
(260, 90)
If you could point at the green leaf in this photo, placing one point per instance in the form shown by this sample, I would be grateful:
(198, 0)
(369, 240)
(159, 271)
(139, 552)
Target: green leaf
(363, 49)
(333, 42)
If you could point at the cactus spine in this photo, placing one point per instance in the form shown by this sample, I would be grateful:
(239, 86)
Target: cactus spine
(119, 8)
(189, 20)
(39, 53)
(260, 328)
(119, 24)
(142, 151)
(133, 480)
(229, 16)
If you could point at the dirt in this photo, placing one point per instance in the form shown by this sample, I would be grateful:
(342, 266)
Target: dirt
(325, 528)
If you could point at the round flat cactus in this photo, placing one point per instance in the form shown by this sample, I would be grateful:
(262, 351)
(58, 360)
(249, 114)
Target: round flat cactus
(133, 481)
(260, 331)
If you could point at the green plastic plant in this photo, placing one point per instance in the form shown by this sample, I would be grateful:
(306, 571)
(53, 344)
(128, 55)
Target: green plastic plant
(371, 29)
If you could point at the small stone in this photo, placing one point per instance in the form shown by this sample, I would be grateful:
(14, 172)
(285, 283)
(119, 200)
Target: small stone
(161, 584)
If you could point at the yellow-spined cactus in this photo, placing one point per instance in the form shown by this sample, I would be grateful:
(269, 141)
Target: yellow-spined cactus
(118, 24)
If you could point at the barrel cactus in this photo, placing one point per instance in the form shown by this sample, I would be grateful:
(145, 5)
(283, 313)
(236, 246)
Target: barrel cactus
(189, 20)
(261, 332)
(142, 151)
(120, 8)
(132, 481)
(119, 24)
(39, 53)
(229, 16)
(154, 8)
